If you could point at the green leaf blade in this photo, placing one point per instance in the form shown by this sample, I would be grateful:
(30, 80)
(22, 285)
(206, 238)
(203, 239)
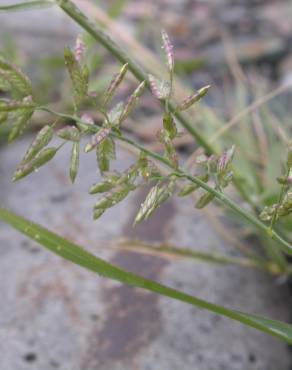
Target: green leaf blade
(81, 257)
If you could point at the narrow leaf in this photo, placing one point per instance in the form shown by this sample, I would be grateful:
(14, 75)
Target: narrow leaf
(76, 254)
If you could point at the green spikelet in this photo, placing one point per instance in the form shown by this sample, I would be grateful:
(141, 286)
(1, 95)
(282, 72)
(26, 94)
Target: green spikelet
(74, 163)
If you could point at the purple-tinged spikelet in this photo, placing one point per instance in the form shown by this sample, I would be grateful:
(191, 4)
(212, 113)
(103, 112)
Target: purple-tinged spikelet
(153, 86)
(168, 48)
(97, 139)
(79, 48)
(160, 89)
(86, 118)
(190, 100)
(132, 101)
(225, 160)
(115, 82)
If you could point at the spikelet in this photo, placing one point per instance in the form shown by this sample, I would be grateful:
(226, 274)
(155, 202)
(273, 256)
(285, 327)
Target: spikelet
(156, 196)
(111, 198)
(204, 200)
(225, 160)
(190, 100)
(160, 89)
(44, 136)
(79, 48)
(86, 118)
(97, 139)
(42, 157)
(74, 162)
(13, 79)
(132, 101)
(168, 48)
(70, 133)
(115, 82)
(110, 181)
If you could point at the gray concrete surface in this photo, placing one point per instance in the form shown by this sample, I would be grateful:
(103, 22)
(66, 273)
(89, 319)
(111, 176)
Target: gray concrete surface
(54, 315)
(37, 33)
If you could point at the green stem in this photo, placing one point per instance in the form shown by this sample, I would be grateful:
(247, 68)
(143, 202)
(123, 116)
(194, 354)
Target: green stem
(286, 247)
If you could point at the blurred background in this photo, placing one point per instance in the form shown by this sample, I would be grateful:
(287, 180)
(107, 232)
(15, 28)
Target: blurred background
(56, 316)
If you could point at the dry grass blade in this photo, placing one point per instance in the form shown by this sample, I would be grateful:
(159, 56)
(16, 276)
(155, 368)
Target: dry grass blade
(251, 108)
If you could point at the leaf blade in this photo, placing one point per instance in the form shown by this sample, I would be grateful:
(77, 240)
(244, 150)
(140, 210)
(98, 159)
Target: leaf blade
(81, 257)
